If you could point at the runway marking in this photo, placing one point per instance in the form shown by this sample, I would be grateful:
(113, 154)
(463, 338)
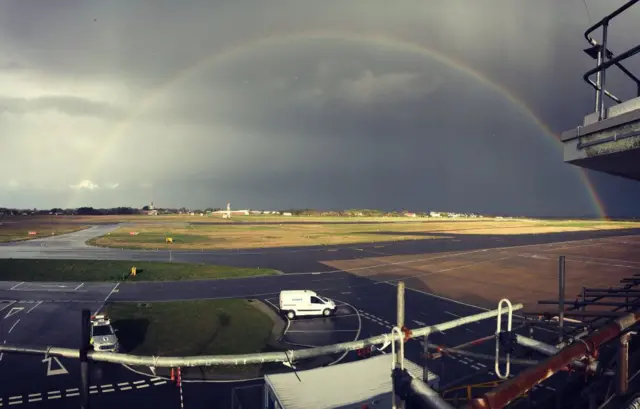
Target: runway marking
(53, 372)
(14, 325)
(16, 286)
(76, 289)
(13, 311)
(107, 298)
(34, 307)
(420, 323)
(6, 304)
(452, 314)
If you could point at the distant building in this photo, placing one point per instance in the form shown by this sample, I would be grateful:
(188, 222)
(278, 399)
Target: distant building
(286, 214)
(435, 214)
(408, 214)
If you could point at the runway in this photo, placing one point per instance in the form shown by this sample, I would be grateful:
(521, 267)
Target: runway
(48, 314)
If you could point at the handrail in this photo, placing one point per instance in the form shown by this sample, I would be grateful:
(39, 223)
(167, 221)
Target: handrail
(605, 60)
(606, 20)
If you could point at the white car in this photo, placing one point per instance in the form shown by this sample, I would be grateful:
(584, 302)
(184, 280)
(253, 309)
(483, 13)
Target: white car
(103, 336)
(296, 303)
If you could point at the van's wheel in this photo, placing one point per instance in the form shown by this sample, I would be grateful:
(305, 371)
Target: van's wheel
(291, 315)
(326, 312)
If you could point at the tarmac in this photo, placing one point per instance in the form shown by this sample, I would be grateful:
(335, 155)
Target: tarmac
(48, 314)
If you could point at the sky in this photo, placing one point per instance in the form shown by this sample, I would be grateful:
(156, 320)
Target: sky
(424, 105)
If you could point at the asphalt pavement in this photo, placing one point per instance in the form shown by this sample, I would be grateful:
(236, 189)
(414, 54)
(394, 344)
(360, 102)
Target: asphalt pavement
(48, 314)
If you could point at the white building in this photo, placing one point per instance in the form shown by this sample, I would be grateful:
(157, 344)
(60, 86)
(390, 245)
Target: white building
(435, 214)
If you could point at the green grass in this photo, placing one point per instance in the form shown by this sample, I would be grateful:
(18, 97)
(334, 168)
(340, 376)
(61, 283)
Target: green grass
(187, 328)
(98, 270)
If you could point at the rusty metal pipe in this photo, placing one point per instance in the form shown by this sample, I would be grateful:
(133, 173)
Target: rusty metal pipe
(511, 389)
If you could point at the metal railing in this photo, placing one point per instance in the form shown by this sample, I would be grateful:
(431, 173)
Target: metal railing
(605, 58)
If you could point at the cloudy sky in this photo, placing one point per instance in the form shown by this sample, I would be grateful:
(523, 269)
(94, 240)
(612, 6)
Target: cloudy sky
(295, 103)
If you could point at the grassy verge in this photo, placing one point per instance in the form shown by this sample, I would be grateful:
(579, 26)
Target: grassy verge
(98, 270)
(187, 328)
(20, 231)
(245, 236)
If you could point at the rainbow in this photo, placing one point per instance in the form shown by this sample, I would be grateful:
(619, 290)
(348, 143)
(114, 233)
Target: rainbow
(345, 37)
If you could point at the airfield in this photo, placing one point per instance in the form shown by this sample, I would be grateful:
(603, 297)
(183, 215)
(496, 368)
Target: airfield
(453, 275)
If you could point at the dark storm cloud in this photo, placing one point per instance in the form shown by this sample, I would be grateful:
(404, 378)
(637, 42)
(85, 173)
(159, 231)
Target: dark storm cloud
(297, 122)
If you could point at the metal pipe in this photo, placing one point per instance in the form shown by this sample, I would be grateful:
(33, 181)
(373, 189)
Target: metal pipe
(598, 81)
(397, 403)
(623, 364)
(550, 350)
(246, 359)
(84, 362)
(561, 282)
(429, 397)
(508, 391)
(582, 304)
(425, 357)
(606, 19)
(603, 71)
(482, 356)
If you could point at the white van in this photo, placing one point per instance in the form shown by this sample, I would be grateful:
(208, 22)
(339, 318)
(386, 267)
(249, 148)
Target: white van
(295, 303)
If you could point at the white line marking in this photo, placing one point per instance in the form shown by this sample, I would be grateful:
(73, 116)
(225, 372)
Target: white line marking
(15, 402)
(417, 322)
(4, 306)
(54, 397)
(73, 390)
(142, 386)
(14, 325)
(15, 397)
(139, 382)
(452, 314)
(123, 384)
(78, 287)
(32, 395)
(16, 286)
(54, 392)
(93, 392)
(34, 400)
(162, 382)
(126, 388)
(442, 298)
(34, 307)
(13, 311)
(108, 390)
(272, 304)
(355, 339)
(108, 385)
(107, 298)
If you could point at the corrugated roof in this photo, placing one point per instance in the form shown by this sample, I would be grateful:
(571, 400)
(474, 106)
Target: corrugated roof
(343, 386)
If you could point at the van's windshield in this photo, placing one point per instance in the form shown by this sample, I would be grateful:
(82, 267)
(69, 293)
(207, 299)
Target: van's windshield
(325, 299)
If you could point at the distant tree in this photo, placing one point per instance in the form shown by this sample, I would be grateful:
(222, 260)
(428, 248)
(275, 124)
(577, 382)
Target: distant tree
(88, 211)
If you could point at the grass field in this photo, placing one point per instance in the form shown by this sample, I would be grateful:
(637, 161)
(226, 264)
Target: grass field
(187, 328)
(97, 270)
(18, 228)
(243, 236)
